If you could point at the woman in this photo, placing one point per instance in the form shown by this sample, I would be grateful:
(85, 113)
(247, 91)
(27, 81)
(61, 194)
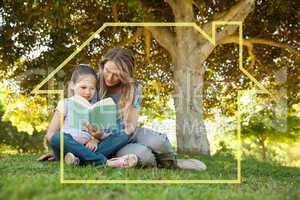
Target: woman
(116, 81)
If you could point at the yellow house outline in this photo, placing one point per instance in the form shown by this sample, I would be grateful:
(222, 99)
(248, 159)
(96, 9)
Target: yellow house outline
(212, 39)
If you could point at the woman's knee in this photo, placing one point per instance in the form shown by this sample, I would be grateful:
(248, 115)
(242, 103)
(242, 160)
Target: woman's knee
(157, 142)
(144, 154)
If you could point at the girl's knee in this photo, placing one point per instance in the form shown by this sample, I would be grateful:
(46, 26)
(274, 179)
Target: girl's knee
(121, 139)
(124, 138)
(55, 140)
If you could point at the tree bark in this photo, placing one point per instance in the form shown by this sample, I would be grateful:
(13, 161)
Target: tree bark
(188, 98)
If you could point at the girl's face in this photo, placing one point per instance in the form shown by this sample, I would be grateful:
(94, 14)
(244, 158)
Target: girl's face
(111, 74)
(85, 87)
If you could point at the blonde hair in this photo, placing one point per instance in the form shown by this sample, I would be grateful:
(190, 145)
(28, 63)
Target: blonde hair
(124, 60)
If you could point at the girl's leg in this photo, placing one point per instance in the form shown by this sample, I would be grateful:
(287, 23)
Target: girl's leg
(159, 144)
(79, 150)
(112, 143)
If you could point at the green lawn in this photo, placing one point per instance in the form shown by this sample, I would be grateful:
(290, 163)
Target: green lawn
(24, 178)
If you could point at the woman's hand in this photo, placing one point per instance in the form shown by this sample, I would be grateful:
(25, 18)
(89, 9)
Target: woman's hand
(98, 134)
(92, 145)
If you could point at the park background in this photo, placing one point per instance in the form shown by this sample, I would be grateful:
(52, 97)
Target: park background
(177, 67)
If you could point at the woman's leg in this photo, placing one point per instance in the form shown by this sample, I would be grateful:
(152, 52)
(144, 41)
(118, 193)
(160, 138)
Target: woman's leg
(158, 143)
(145, 156)
(79, 150)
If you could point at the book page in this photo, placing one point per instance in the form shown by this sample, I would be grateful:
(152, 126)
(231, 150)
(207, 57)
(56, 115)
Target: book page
(106, 101)
(80, 100)
(104, 116)
(78, 115)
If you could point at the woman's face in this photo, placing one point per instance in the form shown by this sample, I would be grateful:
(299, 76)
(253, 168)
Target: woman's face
(111, 74)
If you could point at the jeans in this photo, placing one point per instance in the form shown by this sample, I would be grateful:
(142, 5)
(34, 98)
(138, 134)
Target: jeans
(105, 148)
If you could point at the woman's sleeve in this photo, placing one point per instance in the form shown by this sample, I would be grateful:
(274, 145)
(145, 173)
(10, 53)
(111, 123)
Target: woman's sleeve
(138, 96)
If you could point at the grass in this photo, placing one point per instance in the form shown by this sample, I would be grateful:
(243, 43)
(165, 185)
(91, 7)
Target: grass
(24, 178)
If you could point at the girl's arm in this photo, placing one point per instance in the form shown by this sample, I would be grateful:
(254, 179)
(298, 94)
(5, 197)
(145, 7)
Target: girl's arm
(54, 125)
(131, 121)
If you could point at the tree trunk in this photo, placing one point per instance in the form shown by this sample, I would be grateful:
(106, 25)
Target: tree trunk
(262, 143)
(188, 97)
(190, 129)
(264, 151)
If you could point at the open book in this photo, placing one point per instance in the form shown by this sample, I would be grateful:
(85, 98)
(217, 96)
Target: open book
(102, 114)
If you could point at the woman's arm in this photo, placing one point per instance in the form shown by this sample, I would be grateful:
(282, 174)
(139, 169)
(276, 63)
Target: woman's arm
(54, 125)
(131, 121)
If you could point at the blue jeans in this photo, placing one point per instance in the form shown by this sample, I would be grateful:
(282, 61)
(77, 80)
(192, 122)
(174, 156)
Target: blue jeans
(108, 146)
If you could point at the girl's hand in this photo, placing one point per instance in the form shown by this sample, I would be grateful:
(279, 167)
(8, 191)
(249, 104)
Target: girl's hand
(98, 134)
(92, 145)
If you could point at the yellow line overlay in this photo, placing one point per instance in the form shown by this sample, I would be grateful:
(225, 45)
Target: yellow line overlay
(211, 39)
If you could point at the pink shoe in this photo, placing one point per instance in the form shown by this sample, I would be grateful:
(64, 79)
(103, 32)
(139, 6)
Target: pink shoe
(127, 161)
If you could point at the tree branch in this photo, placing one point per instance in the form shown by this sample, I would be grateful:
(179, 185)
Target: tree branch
(132, 39)
(172, 4)
(236, 13)
(249, 43)
(165, 38)
(148, 43)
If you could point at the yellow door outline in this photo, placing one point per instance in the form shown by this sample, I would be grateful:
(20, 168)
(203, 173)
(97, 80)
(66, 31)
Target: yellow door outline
(212, 39)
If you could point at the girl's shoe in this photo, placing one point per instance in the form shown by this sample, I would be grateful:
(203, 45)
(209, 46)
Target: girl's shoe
(127, 161)
(70, 159)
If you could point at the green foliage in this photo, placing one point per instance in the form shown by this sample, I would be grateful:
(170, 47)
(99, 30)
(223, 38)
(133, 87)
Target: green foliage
(26, 113)
(157, 105)
(266, 122)
(54, 30)
(22, 142)
(18, 131)
(274, 20)
(262, 119)
(268, 129)
(12, 140)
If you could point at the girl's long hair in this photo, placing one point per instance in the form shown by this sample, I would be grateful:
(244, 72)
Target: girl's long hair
(124, 60)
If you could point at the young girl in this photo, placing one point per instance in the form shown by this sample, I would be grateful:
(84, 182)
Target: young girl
(79, 145)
